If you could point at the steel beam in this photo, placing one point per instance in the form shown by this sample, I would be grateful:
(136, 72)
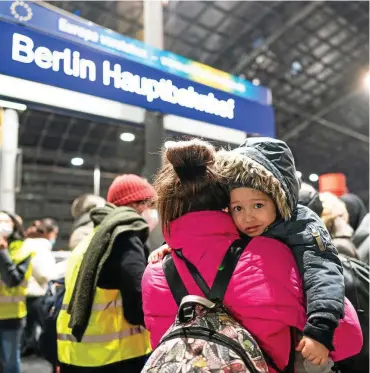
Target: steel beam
(298, 17)
(323, 122)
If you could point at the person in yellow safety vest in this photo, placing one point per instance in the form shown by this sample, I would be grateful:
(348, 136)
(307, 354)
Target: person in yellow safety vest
(15, 270)
(100, 327)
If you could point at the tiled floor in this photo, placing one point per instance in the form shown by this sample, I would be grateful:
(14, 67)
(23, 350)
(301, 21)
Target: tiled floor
(35, 365)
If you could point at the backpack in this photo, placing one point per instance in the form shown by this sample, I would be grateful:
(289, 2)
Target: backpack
(205, 337)
(51, 305)
(356, 284)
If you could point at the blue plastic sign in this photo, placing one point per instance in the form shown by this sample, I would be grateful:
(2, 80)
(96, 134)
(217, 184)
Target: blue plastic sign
(51, 20)
(33, 55)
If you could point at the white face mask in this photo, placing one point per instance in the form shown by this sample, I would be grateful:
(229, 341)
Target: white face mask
(151, 216)
(6, 229)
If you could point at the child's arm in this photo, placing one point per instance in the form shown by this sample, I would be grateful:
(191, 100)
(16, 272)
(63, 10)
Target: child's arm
(320, 268)
(158, 254)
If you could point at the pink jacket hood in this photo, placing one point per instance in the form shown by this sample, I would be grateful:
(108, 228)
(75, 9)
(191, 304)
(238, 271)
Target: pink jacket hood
(265, 293)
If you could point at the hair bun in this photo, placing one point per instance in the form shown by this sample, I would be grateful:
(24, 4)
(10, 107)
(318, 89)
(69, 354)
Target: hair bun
(190, 158)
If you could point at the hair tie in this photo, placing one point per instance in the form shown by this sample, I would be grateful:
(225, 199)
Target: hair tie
(190, 173)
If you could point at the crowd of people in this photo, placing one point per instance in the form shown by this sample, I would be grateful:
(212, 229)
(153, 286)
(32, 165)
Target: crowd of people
(259, 272)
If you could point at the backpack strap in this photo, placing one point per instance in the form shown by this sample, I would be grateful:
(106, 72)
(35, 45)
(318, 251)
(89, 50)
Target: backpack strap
(194, 273)
(224, 274)
(226, 269)
(173, 278)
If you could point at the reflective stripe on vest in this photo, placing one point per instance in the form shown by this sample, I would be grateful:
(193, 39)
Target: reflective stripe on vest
(12, 298)
(103, 338)
(100, 306)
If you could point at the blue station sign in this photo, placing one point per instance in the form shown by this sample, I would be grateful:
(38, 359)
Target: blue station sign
(58, 49)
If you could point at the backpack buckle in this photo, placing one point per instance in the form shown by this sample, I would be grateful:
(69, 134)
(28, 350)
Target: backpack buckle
(187, 314)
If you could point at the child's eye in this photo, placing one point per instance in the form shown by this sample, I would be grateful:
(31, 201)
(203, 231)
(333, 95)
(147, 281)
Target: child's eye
(236, 209)
(258, 205)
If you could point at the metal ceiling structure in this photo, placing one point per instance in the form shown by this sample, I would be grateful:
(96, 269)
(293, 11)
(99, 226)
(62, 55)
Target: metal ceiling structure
(313, 56)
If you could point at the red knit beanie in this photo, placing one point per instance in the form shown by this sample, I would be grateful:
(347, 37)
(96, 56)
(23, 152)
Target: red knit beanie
(127, 189)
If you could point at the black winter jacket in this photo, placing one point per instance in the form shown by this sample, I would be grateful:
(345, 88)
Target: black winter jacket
(308, 239)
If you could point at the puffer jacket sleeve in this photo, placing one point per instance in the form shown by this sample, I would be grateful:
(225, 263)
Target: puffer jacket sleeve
(158, 316)
(320, 268)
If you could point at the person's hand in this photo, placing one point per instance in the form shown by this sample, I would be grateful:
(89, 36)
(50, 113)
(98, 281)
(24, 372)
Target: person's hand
(159, 254)
(3, 243)
(313, 351)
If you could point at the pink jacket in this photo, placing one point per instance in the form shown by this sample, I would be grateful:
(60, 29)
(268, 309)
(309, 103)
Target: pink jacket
(265, 293)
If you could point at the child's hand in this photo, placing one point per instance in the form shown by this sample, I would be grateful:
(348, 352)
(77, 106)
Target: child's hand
(159, 254)
(313, 351)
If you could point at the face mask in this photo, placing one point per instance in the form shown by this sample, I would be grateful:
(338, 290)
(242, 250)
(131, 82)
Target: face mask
(151, 216)
(6, 229)
(52, 241)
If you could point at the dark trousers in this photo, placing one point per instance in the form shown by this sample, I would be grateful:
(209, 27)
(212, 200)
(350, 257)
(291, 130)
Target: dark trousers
(10, 350)
(34, 319)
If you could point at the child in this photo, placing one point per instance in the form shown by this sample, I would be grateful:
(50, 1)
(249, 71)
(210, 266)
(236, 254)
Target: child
(264, 196)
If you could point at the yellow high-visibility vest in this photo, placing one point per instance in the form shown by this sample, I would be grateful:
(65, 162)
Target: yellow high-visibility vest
(13, 299)
(109, 338)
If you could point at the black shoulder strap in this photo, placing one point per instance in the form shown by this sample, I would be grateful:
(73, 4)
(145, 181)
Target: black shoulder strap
(226, 269)
(194, 273)
(173, 278)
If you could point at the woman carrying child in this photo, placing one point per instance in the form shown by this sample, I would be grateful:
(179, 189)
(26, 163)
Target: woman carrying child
(265, 293)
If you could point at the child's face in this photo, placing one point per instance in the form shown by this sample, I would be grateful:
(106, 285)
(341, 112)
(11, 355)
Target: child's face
(251, 210)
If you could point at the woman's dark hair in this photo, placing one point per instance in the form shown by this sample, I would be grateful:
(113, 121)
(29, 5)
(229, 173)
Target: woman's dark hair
(188, 180)
(18, 231)
(85, 203)
(49, 225)
(39, 228)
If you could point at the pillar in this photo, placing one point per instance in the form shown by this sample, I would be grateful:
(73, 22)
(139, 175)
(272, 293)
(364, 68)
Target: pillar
(9, 147)
(154, 131)
(97, 180)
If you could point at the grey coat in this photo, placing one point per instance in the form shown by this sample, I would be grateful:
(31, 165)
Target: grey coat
(308, 238)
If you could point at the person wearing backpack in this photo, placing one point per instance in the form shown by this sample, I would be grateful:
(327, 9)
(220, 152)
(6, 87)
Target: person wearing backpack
(100, 326)
(267, 301)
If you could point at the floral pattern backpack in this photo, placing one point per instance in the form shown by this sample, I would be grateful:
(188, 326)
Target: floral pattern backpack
(205, 337)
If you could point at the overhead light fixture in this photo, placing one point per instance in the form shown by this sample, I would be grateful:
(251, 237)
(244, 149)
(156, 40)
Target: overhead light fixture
(299, 174)
(256, 82)
(12, 105)
(77, 161)
(314, 177)
(127, 136)
(260, 59)
(367, 80)
(296, 67)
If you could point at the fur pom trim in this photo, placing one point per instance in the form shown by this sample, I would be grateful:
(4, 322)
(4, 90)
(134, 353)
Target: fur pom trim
(242, 171)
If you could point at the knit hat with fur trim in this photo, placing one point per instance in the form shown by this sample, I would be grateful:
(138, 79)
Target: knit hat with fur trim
(242, 171)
